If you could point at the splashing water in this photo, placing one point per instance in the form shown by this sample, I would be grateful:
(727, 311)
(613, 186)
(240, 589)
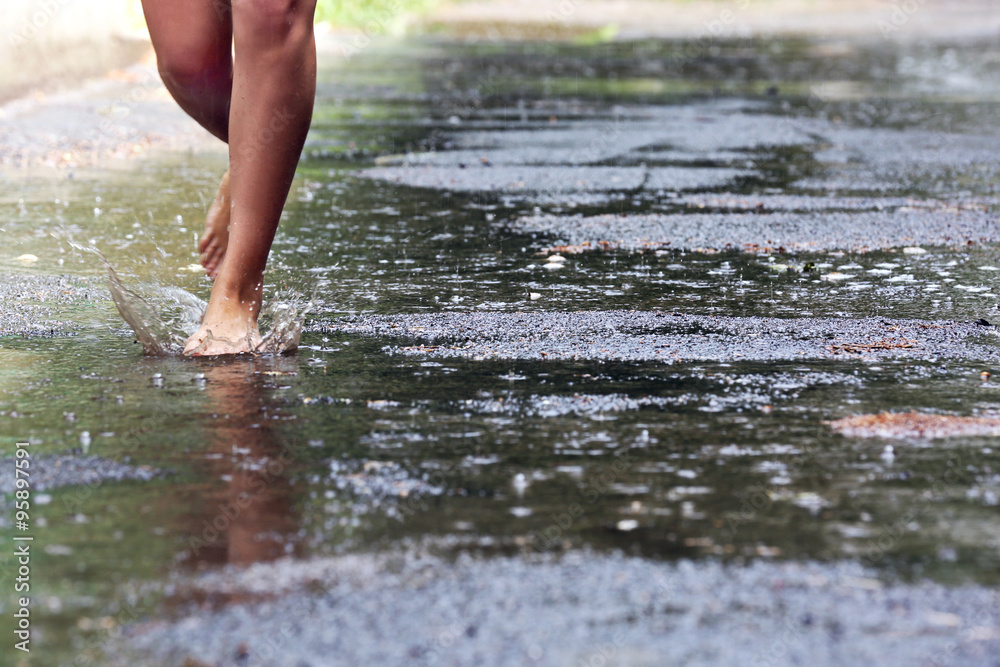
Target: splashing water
(161, 329)
(164, 317)
(165, 327)
(281, 321)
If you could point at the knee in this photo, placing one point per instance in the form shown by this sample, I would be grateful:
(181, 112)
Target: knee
(264, 25)
(191, 67)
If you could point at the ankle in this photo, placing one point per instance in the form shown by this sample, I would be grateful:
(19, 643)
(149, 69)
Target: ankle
(239, 285)
(234, 299)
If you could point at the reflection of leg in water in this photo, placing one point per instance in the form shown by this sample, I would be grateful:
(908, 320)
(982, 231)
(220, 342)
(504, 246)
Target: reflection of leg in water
(250, 519)
(261, 103)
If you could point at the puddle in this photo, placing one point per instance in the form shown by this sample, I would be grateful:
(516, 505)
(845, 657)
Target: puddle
(163, 317)
(397, 420)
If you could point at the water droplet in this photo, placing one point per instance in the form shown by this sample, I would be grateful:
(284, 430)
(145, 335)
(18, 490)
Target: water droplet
(520, 483)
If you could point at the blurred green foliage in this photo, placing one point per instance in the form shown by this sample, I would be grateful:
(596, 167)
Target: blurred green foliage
(372, 16)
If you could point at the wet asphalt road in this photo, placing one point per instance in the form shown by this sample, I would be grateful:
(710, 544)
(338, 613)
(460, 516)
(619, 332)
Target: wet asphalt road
(672, 337)
(61, 471)
(582, 609)
(697, 177)
(35, 304)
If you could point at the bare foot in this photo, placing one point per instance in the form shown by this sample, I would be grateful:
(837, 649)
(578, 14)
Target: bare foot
(216, 237)
(230, 322)
(206, 342)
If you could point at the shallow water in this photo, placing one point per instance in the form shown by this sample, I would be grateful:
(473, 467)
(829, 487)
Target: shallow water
(163, 318)
(346, 446)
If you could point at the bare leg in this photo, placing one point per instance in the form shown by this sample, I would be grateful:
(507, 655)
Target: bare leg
(193, 40)
(274, 85)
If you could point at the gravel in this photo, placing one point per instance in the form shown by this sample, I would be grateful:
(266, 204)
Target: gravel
(53, 472)
(582, 609)
(30, 303)
(669, 337)
(853, 231)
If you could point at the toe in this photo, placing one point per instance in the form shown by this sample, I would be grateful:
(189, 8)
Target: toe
(211, 261)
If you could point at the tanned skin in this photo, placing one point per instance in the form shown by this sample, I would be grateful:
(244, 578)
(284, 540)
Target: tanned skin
(259, 102)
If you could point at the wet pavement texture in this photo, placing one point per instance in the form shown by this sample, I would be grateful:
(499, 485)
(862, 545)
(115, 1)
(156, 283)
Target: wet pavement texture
(673, 338)
(578, 610)
(53, 472)
(37, 304)
(99, 124)
(564, 302)
(856, 231)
